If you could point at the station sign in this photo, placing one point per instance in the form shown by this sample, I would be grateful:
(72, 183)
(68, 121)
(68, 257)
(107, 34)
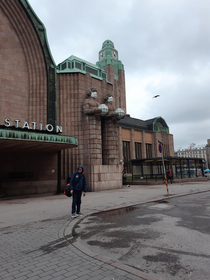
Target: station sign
(31, 125)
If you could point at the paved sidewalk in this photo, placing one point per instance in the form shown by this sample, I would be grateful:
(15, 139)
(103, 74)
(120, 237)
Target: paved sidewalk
(36, 241)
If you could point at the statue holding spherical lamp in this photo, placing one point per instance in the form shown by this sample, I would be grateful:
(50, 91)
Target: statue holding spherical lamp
(118, 113)
(108, 101)
(90, 104)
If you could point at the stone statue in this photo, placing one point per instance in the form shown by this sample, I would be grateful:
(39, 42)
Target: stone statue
(108, 102)
(90, 105)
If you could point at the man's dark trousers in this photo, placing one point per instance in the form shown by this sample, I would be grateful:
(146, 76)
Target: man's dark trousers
(76, 201)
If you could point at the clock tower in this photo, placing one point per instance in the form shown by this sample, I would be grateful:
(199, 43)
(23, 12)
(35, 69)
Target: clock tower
(110, 63)
(108, 55)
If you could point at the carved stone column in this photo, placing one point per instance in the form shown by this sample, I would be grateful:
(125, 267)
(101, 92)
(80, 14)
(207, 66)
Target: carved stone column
(92, 146)
(109, 141)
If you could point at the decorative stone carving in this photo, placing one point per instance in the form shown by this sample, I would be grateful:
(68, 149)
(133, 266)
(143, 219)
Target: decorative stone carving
(108, 102)
(90, 105)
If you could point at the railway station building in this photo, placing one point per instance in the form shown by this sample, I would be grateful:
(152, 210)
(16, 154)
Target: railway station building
(56, 117)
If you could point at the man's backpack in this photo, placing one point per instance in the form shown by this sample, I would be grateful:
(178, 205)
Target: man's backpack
(67, 191)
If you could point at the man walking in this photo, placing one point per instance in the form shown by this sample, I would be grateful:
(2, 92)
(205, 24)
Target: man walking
(77, 186)
(169, 175)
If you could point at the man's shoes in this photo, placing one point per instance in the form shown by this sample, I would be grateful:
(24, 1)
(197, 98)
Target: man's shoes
(79, 214)
(74, 215)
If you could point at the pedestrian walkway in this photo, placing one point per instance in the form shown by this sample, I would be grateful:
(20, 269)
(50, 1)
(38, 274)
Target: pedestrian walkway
(36, 234)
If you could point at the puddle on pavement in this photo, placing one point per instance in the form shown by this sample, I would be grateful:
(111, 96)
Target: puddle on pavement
(160, 204)
(57, 244)
(162, 257)
(162, 201)
(116, 227)
(118, 212)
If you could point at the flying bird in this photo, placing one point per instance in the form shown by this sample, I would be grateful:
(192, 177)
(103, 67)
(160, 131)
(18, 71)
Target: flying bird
(156, 96)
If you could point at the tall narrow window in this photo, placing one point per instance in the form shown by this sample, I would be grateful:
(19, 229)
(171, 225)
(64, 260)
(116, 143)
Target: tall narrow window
(149, 150)
(138, 150)
(104, 142)
(120, 100)
(126, 156)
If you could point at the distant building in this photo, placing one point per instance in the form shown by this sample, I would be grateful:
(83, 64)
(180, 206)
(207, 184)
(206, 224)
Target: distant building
(208, 153)
(193, 151)
(140, 139)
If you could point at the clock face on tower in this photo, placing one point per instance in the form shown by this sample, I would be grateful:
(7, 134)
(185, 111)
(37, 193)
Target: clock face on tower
(102, 55)
(114, 54)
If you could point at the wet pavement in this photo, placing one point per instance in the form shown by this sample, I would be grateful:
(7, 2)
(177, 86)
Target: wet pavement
(37, 243)
(169, 237)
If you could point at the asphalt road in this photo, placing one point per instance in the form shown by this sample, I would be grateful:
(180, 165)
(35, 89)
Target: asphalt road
(170, 238)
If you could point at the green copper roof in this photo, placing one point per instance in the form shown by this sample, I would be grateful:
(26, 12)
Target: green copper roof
(159, 125)
(109, 55)
(75, 64)
(23, 139)
(107, 44)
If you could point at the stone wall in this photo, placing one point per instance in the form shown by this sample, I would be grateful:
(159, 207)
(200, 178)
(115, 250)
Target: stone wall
(106, 177)
(23, 92)
(71, 92)
(23, 82)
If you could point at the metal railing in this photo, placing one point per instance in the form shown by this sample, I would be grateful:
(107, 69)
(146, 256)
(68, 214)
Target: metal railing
(146, 178)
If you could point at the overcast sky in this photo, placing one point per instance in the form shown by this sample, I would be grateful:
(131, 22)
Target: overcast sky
(163, 44)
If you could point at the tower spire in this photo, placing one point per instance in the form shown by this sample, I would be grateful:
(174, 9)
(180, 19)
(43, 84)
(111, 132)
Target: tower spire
(109, 55)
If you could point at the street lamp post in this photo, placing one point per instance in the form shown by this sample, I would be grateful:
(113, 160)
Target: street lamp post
(164, 170)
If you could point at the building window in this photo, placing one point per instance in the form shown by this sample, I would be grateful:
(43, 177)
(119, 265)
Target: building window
(126, 156)
(78, 65)
(138, 150)
(104, 76)
(149, 150)
(63, 66)
(91, 71)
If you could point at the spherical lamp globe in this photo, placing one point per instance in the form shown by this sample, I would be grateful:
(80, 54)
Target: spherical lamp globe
(104, 109)
(120, 113)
